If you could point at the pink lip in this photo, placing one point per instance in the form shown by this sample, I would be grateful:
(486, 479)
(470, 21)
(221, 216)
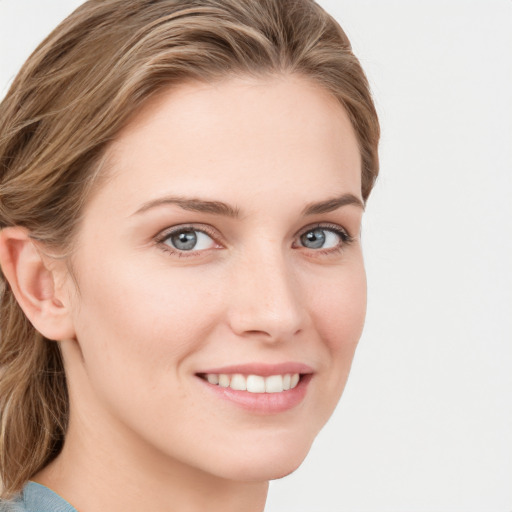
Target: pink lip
(262, 369)
(262, 403)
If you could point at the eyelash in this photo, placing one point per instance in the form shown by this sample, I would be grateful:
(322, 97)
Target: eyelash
(346, 238)
(166, 234)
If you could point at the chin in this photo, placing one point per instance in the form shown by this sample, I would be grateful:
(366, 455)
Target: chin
(272, 470)
(265, 462)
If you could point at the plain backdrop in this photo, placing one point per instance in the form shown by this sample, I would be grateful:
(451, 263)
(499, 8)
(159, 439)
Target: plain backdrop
(425, 424)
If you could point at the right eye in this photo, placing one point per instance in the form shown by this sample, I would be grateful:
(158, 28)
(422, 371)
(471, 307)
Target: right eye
(187, 239)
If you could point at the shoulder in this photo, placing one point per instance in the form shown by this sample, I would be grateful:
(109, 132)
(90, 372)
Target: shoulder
(36, 498)
(12, 506)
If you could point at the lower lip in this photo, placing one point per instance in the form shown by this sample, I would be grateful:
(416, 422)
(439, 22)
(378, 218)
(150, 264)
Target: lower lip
(263, 403)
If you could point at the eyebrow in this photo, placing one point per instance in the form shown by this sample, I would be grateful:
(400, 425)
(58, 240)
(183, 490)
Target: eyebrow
(224, 209)
(193, 205)
(333, 204)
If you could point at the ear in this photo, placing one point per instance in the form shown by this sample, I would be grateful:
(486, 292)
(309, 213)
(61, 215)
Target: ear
(33, 283)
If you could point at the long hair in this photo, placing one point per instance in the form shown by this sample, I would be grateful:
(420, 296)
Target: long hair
(68, 102)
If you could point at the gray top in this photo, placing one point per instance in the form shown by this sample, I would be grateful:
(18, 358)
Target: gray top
(36, 498)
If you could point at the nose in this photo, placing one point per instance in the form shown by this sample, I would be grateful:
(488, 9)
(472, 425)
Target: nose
(266, 299)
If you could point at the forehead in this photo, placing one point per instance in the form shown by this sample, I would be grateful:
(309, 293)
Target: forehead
(202, 137)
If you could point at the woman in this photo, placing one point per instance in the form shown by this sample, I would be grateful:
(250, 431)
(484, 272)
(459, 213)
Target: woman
(182, 186)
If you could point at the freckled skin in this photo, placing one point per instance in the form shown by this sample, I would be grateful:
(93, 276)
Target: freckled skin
(147, 320)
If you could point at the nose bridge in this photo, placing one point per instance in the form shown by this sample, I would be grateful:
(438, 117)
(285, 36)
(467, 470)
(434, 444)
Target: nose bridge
(267, 300)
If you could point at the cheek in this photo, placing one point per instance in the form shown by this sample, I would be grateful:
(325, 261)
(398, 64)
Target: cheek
(134, 323)
(136, 333)
(340, 311)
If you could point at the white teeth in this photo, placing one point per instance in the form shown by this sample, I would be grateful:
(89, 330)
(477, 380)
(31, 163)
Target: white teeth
(238, 382)
(223, 380)
(274, 384)
(212, 378)
(255, 383)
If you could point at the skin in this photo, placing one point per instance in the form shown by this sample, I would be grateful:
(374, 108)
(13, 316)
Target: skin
(143, 320)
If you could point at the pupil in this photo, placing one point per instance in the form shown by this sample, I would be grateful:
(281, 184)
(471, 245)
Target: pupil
(184, 241)
(314, 239)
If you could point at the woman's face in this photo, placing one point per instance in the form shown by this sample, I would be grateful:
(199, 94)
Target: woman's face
(222, 252)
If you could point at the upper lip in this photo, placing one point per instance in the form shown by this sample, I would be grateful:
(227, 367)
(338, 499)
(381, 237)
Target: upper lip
(263, 369)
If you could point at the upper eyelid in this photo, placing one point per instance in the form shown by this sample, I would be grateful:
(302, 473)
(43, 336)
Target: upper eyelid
(203, 228)
(324, 225)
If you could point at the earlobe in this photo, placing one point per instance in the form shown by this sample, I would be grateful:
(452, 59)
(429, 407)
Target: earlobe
(33, 284)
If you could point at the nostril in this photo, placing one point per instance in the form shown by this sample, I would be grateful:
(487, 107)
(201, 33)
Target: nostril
(257, 333)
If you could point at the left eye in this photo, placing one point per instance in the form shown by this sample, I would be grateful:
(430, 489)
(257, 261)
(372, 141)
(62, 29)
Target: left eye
(189, 240)
(321, 238)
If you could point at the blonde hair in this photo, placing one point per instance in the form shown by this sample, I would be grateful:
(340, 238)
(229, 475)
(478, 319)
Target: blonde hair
(71, 98)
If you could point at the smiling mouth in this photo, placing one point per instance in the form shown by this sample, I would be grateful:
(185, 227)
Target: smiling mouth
(254, 383)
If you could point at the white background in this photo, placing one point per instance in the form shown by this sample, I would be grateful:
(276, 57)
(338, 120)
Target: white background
(425, 424)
